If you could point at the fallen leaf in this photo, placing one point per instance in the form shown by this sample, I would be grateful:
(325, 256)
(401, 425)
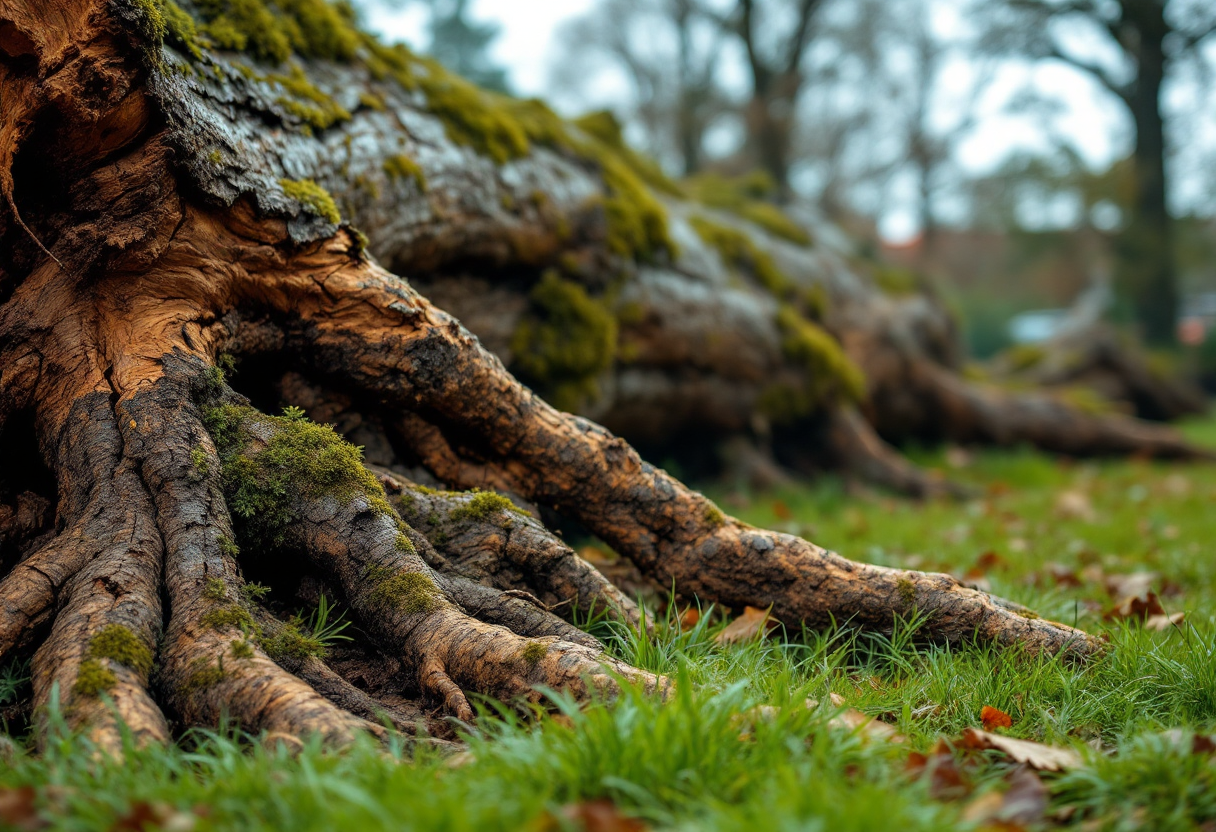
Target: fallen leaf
(985, 563)
(946, 780)
(1023, 803)
(1202, 745)
(957, 457)
(1135, 585)
(1034, 754)
(1161, 623)
(17, 809)
(144, 816)
(782, 511)
(1138, 608)
(600, 816)
(689, 619)
(852, 719)
(993, 718)
(1074, 505)
(752, 624)
(1061, 575)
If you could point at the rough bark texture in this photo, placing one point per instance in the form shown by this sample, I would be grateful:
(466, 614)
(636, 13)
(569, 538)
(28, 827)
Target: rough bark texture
(164, 221)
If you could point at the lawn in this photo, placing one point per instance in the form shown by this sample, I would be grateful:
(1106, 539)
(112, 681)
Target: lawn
(1060, 537)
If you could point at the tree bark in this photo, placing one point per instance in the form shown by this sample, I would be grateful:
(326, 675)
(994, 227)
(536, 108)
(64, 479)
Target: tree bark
(171, 212)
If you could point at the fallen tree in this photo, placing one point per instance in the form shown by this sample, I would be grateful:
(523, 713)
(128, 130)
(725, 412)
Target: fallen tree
(175, 184)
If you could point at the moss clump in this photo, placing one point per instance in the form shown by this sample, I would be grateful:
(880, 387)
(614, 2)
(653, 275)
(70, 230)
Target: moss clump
(637, 222)
(567, 343)
(1024, 357)
(482, 506)
(829, 373)
(291, 644)
(895, 280)
(533, 652)
(198, 459)
(411, 593)
(254, 592)
(302, 460)
(712, 514)
(93, 679)
(232, 615)
(307, 102)
(604, 127)
(272, 30)
(228, 547)
(403, 545)
(313, 197)
(747, 197)
(403, 167)
(739, 252)
(117, 643)
(242, 650)
(203, 674)
(214, 589)
(907, 592)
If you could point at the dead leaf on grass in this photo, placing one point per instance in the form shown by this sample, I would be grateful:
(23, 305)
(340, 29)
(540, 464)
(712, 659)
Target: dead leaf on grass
(1138, 608)
(1023, 803)
(852, 719)
(1034, 754)
(984, 564)
(752, 624)
(17, 809)
(1202, 745)
(600, 816)
(993, 718)
(1161, 623)
(1131, 585)
(1074, 505)
(946, 780)
(144, 816)
(689, 619)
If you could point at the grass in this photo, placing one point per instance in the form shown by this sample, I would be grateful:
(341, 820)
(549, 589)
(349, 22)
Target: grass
(701, 761)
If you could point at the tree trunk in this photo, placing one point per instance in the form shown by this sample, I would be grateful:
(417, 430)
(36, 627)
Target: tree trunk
(1146, 271)
(172, 213)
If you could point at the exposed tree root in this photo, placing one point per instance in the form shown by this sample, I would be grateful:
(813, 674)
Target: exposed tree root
(172, 488)
(864, 454)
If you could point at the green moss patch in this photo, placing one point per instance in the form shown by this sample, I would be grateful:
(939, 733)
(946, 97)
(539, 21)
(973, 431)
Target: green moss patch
(404, 168)
(232, 615)
(739, 252)
(748, 197)
(411, 593)
(302, 460)
(290, 643)
(533, 652)
(117, 643)
(308, 103)
(829, 372)
(483, 505)
(313, 197)
(93, 679)
(204, 674)
(568, 341)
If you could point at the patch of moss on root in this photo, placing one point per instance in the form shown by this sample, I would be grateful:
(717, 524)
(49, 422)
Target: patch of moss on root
(313, 197)
(483, 505)
(290, 643)
(567, 342)
(119, 644)
(740, 253)
(93, 678)
(748, 197)
(411, 593)
(404, 168)
(302, 460)
(828, 372)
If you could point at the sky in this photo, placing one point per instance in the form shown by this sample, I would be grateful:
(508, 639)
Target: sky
(526, 45)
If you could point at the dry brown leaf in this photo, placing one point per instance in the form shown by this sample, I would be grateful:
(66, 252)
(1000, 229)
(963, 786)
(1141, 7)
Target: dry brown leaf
(782, 511)
(160, 816)
(1034, 754)
(984, 564)
(993, 718)
(1061, 575)
(689, 619)
(600, 816)
(1202, 745)
(946, 780)
(1161, 623)
(1074, 505)
(17, 809)
(1138, 608)
(1023, 803)
(752, 624)
(1134, 585)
